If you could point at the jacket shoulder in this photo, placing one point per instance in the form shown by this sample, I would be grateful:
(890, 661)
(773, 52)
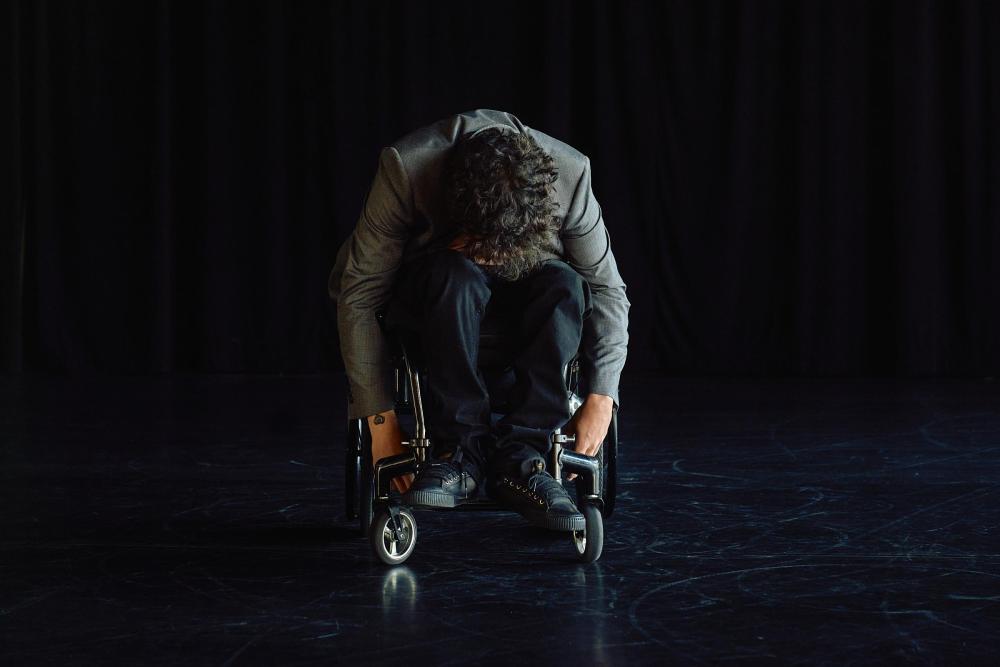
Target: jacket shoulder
(570, 161)
(425, 145)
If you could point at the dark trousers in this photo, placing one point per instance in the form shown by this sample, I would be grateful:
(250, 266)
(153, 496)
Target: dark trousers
(440, 301)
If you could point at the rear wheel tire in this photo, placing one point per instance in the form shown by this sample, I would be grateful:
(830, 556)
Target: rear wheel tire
(366, 488)
(352, 470)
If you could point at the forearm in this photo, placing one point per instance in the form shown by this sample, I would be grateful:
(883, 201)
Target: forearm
(383, 421)
(587, 248)
(605, 343)
(366, 364)
(599, 399)
(371, 259)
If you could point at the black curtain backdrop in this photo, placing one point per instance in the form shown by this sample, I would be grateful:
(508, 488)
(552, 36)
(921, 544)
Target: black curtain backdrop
(790, 188)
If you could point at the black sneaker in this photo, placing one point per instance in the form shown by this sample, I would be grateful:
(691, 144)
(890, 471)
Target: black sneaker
(540, 499)
(444, 483)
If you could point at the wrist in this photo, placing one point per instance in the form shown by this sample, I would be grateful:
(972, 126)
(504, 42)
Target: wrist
(600, 399)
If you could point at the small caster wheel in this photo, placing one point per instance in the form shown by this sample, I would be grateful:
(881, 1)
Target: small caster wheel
(393, 547)
(589, 542)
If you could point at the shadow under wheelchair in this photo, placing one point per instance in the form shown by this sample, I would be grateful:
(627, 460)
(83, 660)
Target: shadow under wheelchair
(391, 527)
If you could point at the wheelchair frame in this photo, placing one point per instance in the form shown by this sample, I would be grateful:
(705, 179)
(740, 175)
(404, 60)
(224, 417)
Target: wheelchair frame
(391, 527)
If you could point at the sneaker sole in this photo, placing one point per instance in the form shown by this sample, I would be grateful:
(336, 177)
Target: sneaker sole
(541, 519)
(432, 499)
(560, 523)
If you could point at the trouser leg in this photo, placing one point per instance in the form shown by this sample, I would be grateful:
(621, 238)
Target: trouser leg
(439, 300)
(550, 306)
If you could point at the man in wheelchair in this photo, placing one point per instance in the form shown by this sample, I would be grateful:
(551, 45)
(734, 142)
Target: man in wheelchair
(476, 219)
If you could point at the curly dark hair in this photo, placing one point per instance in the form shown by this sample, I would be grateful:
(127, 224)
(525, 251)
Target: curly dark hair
(500, 197)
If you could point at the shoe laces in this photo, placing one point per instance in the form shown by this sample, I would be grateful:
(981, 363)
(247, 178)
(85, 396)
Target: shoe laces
(453, 467)
(543, 483)
(441, 470)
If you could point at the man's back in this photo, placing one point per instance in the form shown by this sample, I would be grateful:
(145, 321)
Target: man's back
(404, 217)
(422, 154)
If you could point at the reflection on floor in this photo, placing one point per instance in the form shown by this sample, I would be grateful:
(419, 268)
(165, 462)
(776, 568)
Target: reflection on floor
(199, 520)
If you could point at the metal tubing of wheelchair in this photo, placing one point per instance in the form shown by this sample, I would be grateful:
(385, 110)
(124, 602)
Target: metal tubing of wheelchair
(418, 400)
(587, 466)
(390, 467)
(556, 465)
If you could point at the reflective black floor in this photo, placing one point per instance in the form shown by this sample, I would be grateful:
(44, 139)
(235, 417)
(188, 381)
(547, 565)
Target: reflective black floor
(199, 521)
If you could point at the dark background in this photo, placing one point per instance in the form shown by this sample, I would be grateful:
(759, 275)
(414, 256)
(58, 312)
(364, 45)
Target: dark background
(790, 188)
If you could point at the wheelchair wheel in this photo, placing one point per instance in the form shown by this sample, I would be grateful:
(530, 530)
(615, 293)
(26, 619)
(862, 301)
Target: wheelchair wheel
(607, 457)
(359, 483)
(589, 542)
(352, 470)
(366, 488)
(389, 547)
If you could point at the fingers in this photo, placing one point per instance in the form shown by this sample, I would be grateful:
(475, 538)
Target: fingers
(589, 448)
(403, 483)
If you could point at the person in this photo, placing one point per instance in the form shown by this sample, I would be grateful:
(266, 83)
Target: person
(478, 216)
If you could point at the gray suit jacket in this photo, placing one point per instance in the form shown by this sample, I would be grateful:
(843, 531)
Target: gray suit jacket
(403, 218)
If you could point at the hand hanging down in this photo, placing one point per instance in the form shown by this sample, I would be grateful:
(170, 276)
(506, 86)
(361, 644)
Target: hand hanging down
(387, 440)
(590, 424)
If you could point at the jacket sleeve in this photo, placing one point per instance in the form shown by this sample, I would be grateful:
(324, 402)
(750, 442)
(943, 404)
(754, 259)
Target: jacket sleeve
(587, 248)
(374, 252)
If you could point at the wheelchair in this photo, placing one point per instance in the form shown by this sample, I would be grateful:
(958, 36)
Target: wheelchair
(391, 527)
